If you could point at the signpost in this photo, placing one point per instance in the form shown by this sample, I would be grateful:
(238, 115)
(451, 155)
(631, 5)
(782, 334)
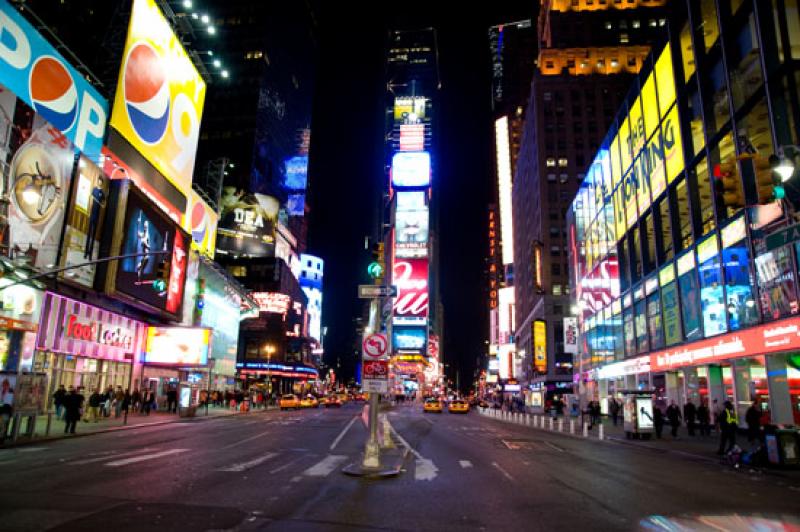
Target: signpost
(373, 291)
(785, 236)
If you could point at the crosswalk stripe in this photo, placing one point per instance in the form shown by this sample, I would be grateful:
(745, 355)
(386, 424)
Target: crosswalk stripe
(135, 459)
(244, 466)
(465, 463)
(112, 455)
(324, 467)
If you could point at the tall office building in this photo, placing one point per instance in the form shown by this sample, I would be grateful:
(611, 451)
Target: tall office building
(410, 211)
(589, 53)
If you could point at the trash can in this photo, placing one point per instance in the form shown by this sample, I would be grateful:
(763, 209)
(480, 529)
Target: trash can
(187, 411)
(783, 446)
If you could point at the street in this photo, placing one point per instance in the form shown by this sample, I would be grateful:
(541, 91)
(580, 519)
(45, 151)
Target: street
(282, 471)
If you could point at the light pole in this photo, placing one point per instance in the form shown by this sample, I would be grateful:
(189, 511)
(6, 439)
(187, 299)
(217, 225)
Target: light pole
(269, 349)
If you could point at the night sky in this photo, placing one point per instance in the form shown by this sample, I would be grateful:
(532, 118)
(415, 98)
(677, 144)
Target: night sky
(346, 163)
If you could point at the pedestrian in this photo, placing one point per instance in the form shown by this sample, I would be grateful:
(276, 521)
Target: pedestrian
(73, 403)
(595, 412)
(6, 407)
(119, 396)
(172, 400)
(136, 400)
(674, 417)
(58, 400)
(108, 398)
(613, 407)
(126, 402)
(728, 423)
(147, 401)
(95, 401)
(704, 418)
(753, 420)
(689, 415)
(658, 420)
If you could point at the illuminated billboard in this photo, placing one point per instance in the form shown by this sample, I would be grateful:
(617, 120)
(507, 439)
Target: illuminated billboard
(272, 302)
(505, 312)
(505, 357)
(411, 304)
(84, 223)
(411, 201)
(160, 95)
(539, 338)
(146, 229)
(43, 79)
(177, 346)
(412, 137)
(411, 169)
(411, 233)
(200, 221)
(296, 173)
(409, 109)
(311, 270)
(409, 338)
(247, 223)
(504, 188)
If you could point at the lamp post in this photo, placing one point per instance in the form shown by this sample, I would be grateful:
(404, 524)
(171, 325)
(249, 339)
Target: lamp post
(269, 349)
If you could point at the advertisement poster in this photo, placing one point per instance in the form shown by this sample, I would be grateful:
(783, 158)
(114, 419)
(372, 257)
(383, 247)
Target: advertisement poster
(539, 332)
(247, 223)
(409, 338)
(644, 414)
(221, 314)
(411, 233)
(690, 305)
(85, 216)
(671, 309)
(200, 221)
(180, 346)
(39, 179)
(160, 95)
(30, 392)
(411, 169)
(145, 230)
(411, 304)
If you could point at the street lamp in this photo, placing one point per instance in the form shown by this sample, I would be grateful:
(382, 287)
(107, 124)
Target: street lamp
(269, 349)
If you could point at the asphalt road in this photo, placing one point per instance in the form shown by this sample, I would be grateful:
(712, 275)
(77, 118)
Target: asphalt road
(282, 471)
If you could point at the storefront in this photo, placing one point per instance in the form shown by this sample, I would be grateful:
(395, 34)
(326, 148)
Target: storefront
(175, 357)
(279, 378)
(85, 346)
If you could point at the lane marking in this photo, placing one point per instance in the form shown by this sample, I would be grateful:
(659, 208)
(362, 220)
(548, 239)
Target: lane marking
(425, 469)
(126, 461)
(251, 438)
(341, 434)
(112, 455)
(296, 479)
(554, 446)
(503, 471)
(465, 463)
(286, 465)
(244, 466)
(324, 467)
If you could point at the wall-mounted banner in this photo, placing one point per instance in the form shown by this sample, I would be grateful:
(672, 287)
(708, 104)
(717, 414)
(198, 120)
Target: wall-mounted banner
(570, 334)
(411, 304)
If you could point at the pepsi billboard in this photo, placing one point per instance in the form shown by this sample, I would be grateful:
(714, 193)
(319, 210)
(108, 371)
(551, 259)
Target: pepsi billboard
(160, 95)
(41, 77)
(200, 221)
(411, 169)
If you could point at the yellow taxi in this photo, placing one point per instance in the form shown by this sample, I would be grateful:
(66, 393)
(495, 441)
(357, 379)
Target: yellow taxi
(289, 401)
(432, 405)
(458, 406)
(342, 397)
(309, 401)
(332, 401)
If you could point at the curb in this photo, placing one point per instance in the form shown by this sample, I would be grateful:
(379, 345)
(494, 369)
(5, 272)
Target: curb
(51, 438)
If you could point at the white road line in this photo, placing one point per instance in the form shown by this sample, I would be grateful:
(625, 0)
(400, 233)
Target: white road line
(554, 446)
(297, 479)
(465, 463)
(244, 466)
(503, 471)
(126, 461)
(405, 444)
(424, 468)
(251, 438)
(113, 455)
(324, 467)
(341, 434)
(286, 465)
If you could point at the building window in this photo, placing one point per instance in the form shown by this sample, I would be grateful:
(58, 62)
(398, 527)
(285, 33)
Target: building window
(547, 96)
(609, 25)
(563, 177)
(556, 292)
(550, 162)
(555, 251)
(551, 178)
(562, 162)
(636, 24)
(555, 269)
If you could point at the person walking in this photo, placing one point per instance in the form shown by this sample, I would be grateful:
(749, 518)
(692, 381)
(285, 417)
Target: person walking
(704, 419)
(119, 396)
(73, 402)
(172, 400)
(753, 419)
(674, 417)
(126, 402)
(613, 407)
(6, 407)
(658, 420)
(728, 423)
(689, 415)
(147, 400)
(95, 400)
(58, 400)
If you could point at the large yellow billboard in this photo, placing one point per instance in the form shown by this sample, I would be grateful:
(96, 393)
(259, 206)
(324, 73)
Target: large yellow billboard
(200, 221)
(159, 99)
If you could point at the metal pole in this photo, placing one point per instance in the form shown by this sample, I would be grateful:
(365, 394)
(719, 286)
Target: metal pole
(372, 451)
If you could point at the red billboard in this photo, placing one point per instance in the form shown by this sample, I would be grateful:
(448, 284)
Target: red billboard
(411, 304)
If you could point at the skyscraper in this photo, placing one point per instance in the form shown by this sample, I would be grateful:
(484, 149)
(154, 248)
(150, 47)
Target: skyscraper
(589, 53)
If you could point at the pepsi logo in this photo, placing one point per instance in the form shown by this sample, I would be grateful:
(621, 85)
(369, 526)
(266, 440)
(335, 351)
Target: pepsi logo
(53, 92)
(199, 222)
(146, 93)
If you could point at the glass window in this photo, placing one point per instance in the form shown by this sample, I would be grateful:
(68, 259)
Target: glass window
(630, 335)
(708, 27)
(728, 192)
(654, 321)
(711, 295)
(696, 119)
(687, 53)
(776, 283)
(746, 75)
(690, 303)
(684, 219)
(718, 111)
(642, 343)
(704, 196)
(673, 332)
(649, 251)
(636, 256)
(739, 281)
(665, 248)
(624, 276)
(754, 132)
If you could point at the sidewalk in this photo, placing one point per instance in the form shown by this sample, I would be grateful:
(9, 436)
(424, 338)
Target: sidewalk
(109, 424)
(693, 447)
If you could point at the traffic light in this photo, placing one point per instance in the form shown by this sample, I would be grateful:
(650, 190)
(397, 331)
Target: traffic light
(768, 184)
(162, 276)
(378, 265)
(728, 186)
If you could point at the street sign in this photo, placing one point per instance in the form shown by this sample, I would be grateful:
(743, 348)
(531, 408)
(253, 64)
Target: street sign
(785, 236)
(373, 291)
(375, 386)
(375, 346)
(375, 369)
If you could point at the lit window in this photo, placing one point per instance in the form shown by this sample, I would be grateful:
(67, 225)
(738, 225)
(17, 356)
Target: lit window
(652, 23)
(550, 162)
(609, 25)
(662, 21)
(563, 178)
(556, 289)
(636, 24)
(562, 162)
(623, 38)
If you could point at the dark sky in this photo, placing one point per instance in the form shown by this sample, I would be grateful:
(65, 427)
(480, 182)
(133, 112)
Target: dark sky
(346, 161)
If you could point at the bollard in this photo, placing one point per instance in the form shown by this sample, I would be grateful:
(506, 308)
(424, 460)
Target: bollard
(551, 423)
(537, 422)
(49, 422)
(561, 425)
(585, 430)
(600, 431)
(572, 426)
(528, 419)
(387, 434)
